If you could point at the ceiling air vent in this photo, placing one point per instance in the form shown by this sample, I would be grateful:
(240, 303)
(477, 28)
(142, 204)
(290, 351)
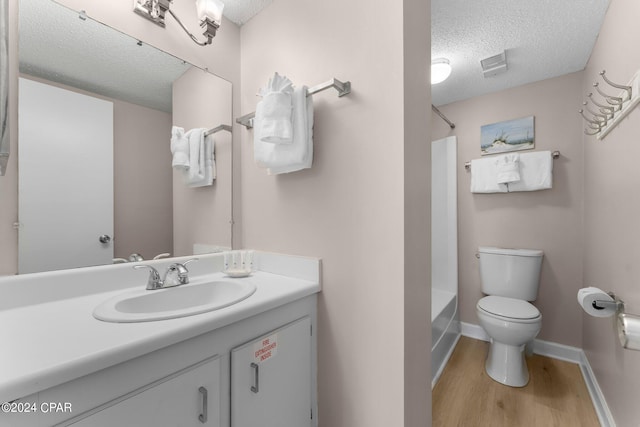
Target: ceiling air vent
(494, 64)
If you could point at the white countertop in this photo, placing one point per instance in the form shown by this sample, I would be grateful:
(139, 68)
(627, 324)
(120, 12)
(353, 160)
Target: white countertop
(50, 343)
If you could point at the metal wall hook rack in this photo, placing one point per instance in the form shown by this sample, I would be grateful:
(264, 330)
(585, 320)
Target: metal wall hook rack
(606, 109)
(613, 100)
(343, 88)
(613, 109)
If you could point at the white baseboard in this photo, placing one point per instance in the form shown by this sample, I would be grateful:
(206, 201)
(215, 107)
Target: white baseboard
(473, 331)
(561, 352)
(599, 403)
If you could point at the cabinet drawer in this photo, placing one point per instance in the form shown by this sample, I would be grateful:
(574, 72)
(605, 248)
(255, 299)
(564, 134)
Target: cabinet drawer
(190, 397)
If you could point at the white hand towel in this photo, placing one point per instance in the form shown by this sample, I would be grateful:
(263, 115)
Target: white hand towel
(196, 155)
(209, 165)
(284, 158)
(276, 125)
(302, 128)
(179, 148)
(484, 177)
(508, 168)
(536, 172)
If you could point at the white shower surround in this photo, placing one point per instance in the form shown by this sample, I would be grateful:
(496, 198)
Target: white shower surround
(445, 326)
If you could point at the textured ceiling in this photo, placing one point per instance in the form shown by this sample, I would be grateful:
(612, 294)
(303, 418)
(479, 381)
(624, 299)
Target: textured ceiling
(240, 11)
(56, 45)
(542, 39)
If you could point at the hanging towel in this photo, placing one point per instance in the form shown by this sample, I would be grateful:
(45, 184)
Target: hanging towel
(276, 126)
(208, 165)
(508, 168)
(484, 177)
(196, 155)
(179, 148)
(536, 172)
(285, 158)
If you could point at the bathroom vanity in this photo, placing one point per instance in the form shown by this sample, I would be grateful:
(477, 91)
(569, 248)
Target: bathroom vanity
(252, 363)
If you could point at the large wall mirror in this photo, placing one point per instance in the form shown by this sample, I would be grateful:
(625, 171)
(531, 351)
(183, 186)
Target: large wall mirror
(96, 110)
(4, 85)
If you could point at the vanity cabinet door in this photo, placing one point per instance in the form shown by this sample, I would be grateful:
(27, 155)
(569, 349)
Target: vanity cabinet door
(271, 379)
(190, 397)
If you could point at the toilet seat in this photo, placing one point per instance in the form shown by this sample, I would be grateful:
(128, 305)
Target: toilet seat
(509, 309)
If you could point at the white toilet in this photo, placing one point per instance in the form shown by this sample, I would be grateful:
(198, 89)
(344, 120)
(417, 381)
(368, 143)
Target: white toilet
(510, 278)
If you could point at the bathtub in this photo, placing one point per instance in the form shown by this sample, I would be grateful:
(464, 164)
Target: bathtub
(445, 324)
(445, 330)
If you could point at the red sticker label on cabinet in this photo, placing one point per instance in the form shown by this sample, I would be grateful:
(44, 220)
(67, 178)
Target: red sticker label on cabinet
(265, 349)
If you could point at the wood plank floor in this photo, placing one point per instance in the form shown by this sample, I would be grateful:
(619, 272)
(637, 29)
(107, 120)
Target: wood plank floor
(466, 396)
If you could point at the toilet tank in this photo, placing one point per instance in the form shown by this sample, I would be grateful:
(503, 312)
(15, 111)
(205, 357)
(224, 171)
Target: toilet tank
(512, 273)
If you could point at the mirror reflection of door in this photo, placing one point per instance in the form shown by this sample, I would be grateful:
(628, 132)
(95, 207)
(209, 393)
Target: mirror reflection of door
(65, 163)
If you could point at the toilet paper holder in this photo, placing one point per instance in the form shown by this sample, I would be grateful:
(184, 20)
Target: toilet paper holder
(628, 325)
(617, 303)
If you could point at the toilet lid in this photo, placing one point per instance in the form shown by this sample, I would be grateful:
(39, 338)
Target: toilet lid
(508, 307)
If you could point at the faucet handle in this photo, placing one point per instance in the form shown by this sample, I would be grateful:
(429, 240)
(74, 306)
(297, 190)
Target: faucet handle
(154, 282)
(190, 260)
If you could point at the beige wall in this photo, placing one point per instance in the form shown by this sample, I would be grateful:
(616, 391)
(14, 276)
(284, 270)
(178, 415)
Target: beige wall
(611, 212)
(417, 213)
(549, 220)
(349, 208)
(203, 215)
(143, 216)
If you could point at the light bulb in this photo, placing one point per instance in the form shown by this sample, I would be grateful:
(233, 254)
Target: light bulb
(440, 70)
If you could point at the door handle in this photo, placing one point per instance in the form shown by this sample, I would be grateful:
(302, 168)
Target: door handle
(105, 238)
(256, 378)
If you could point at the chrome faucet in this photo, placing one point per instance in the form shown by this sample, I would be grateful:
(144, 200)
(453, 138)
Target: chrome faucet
(176, 275)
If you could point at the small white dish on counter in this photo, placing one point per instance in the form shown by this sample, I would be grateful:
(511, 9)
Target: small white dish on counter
(237, 272)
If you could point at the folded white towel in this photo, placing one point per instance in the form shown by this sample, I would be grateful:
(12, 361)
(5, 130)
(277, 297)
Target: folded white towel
(276, 125)
(508, 168)
(179, 148)
(484, 177)
(209, 162)
(285, 158)
(276, 119)
(536, 172)
(196, 156)
(302, 154)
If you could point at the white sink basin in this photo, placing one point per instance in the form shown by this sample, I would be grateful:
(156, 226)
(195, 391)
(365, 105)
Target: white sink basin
(180, 301)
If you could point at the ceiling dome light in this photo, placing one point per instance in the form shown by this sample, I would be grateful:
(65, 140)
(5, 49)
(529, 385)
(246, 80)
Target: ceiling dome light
(440, 70)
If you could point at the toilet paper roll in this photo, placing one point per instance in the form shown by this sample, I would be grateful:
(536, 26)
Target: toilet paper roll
(629, 331)
(586, 297)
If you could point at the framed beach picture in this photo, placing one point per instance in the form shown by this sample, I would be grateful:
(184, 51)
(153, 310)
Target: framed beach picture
(511, 135)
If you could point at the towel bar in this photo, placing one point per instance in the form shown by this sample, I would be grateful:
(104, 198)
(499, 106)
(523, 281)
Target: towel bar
(554, 155)
(218, 129)
(343, 88)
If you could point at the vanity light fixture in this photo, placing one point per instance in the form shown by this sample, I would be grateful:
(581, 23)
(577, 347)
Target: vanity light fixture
(440, 70)
(209, 13)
